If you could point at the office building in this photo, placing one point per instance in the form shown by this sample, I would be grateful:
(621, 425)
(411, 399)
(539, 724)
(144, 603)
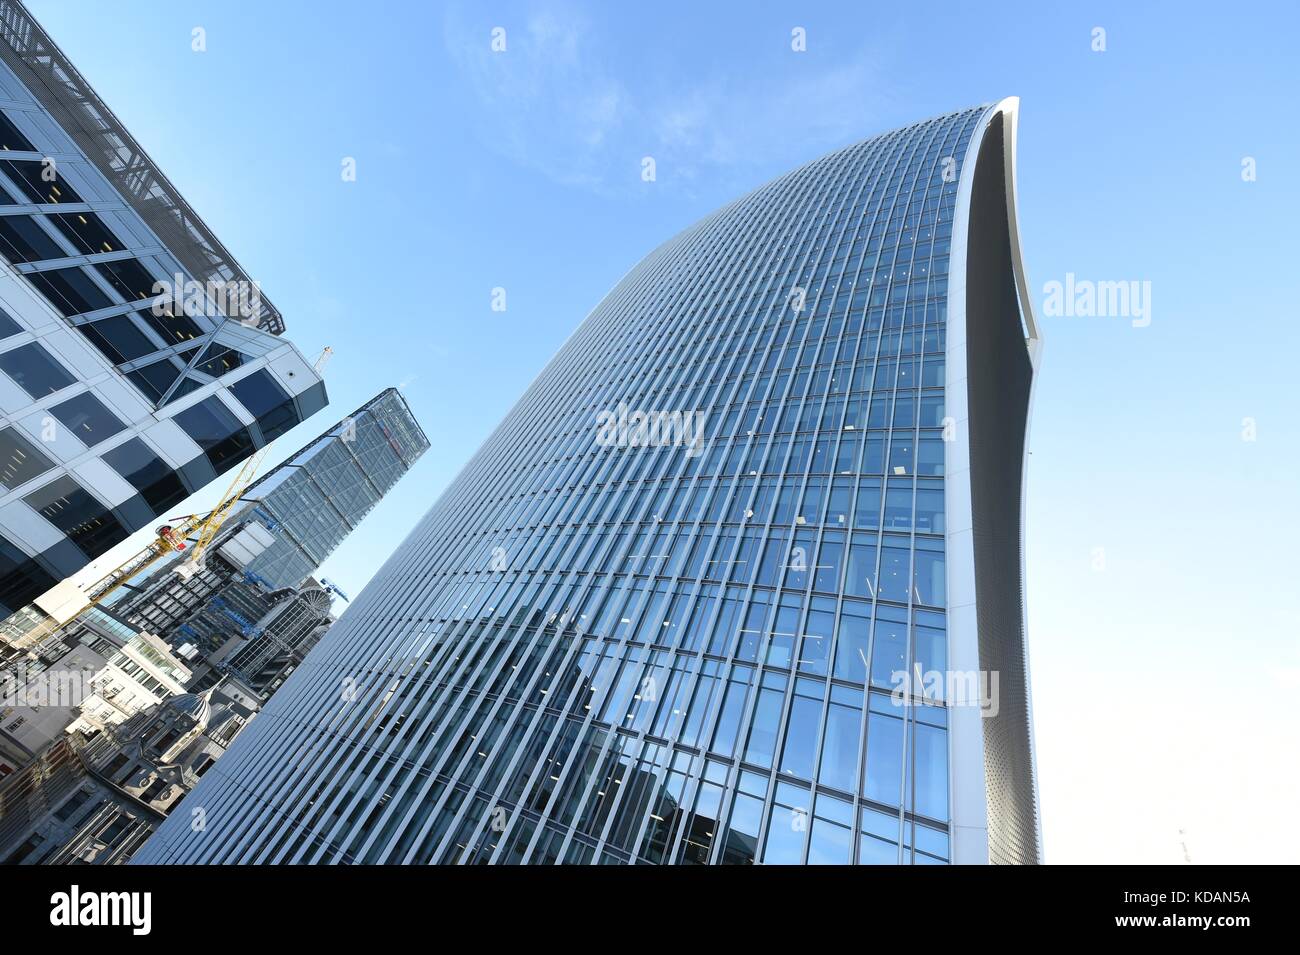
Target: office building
(670, 611)
(253, 609)
(138, 360)
(98, 682)
(93, 800)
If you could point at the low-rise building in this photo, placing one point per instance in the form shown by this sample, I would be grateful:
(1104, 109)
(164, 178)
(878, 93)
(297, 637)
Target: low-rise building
(95, 799)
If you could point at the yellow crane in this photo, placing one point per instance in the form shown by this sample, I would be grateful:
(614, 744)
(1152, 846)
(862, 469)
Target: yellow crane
(172, 538)
(169, 538)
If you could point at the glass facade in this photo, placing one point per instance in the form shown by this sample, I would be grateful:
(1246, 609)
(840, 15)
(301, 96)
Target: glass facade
(313, 500)
(616, 640)
(305, 507)
(118, 327)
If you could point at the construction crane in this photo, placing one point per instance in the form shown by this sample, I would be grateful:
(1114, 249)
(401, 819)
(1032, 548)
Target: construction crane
(203, 527)
(207, 527)
(172, 538)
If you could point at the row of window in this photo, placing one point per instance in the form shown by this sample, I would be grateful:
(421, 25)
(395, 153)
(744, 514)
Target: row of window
(863, 563)
(618, 379)
(668, 502)
(88, 523)
(73, 292)
(640, 796)
(879, 333)
(735, 500)
(574, 433)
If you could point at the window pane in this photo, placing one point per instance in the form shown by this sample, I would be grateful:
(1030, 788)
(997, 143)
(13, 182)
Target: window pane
(21, 578)
(172, 328)
(71, 291)
(932, 405)
(20, 460)
(186, 386)
(11, 138)
(219, 359)
(87, 232)
(130, 279)
(773, 559)
(929, 510)
(884, 765)
(118, 339)
(815, 650)
(898, 506)
(35, 370)
(902, 454)
(839, 764)
(930, 646)
(147, 473)
(86, 417)
(889, 656)
(867, 513)
(154, 380)
(862, 567)
(801, 737)
(853, 642)
(894, 573)
(930, 578)
(873, 851)
(217, 431)
(742, 831)
(7, 325)
(931, 762)
(829, 560)
(88, 523)
(23, 240)
(931, 459)
(785, 832)
(762, 733)
(269, 403)
(31, 178)
(698, 838)
(830, 844)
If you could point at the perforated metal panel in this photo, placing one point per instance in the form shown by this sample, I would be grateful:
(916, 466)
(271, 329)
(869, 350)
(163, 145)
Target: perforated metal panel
(999, 382)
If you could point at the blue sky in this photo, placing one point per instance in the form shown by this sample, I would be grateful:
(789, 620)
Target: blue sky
(1163, 605)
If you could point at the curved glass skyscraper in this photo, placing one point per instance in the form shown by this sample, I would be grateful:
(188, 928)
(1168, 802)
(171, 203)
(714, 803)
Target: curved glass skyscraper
(737, 580)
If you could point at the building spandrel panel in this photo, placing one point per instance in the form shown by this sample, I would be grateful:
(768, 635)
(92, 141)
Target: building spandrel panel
(675, 608)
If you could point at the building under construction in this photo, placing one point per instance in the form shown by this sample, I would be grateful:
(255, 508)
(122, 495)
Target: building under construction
(252, 608)
(249, 606)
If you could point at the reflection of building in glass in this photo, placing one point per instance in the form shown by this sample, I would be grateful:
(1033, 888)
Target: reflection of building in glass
(608, 643)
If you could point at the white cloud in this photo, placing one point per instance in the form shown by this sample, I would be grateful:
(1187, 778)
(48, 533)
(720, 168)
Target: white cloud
(544, 102)
(552, 102)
